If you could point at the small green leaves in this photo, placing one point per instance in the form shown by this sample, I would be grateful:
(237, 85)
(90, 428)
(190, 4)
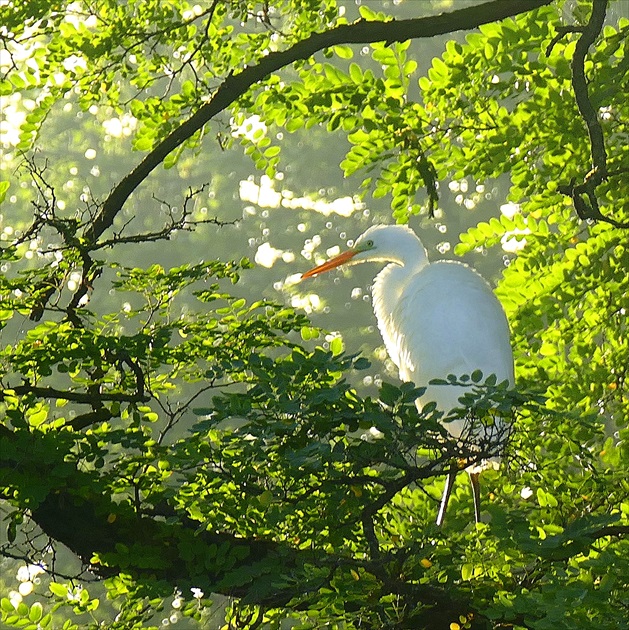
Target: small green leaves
(308, 332)
(178, 427)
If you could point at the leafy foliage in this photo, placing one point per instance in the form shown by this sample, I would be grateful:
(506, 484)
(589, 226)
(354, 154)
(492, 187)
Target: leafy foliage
(184, 442)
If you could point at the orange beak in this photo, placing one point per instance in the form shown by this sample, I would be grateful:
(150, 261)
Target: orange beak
(333, 263)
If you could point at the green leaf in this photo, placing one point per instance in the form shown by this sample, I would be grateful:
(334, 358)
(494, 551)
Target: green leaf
(60, 590)
(467, 571)
(36, 612)
(367, 13)
(337, 346)
(344, 52)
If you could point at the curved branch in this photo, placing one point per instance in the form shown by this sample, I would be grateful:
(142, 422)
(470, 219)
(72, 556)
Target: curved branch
(236, 85)
(584, 194)
(168, 547)
(579, 84)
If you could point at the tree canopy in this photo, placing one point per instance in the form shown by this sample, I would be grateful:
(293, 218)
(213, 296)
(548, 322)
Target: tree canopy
(173, 453)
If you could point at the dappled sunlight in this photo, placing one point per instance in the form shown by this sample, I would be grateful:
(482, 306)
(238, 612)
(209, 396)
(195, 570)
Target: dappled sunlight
(265, 195)
(266, 255)
(513, 241)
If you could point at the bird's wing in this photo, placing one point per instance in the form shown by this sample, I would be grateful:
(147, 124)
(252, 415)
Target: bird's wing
(448, 321)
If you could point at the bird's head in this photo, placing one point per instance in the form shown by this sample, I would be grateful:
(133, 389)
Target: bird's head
(380, 243)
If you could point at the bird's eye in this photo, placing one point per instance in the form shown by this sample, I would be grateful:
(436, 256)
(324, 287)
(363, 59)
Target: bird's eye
(369, 243)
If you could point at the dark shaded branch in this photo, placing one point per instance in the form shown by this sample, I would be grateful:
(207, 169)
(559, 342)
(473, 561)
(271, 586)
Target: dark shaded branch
(88, 419)
(236, 85)
(181, 222)
(78, 397)
(562, 31)
(579, 84)
(583, 195)
(171, 549)
(611, 530)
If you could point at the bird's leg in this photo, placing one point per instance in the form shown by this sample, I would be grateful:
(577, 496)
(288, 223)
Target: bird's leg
(446, 496)
(474, 480)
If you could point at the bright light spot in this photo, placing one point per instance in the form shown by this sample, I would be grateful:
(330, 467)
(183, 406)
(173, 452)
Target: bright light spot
(119, 127)
(25, 588)
(74, 63)
(605, 113)
(454, 186)
(28, 572)
(310, 245)
(13, 116)
(197, 593)
(5, 58)
(526, 493)
(289, 281)
(265, 196)
(372, 435)
(73, 10)
(343, 206)
(495, 79)
(267, 255)
(510, 209)
(90, 154)
(248, 128)
(75, 594)
(309, 303)
(15, 598)
(512, 243)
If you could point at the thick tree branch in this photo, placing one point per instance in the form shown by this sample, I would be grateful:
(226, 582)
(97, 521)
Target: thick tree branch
(610, 530)
(169, 548)
(78, 397)
(183, 556)
(579, 84)
(584, 194)
(236, 85)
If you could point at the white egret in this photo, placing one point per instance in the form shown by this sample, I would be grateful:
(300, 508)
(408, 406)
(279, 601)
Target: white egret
(436, 319)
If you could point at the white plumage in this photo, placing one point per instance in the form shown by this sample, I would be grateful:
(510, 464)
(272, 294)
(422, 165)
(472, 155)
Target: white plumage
(436, 319)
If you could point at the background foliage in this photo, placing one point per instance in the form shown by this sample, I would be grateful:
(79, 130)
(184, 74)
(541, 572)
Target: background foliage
(183, 447)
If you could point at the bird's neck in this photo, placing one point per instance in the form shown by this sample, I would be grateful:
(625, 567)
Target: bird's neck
(387, 289)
